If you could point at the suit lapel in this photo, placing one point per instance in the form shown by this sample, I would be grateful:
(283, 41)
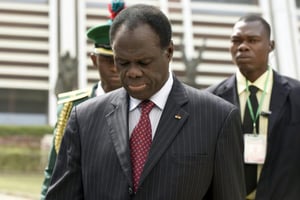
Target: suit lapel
(280, 89)
(117, 120)
(228, 91)
(172, 119)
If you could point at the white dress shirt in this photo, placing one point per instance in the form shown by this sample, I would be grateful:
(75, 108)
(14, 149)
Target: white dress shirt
(159, 99)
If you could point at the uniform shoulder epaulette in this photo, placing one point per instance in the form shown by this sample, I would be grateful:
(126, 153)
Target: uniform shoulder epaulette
(66, 101)
(74, 95)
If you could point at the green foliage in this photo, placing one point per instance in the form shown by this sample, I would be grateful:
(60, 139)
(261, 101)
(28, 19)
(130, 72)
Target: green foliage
(14, 159)
(20, 149)
(38, 131)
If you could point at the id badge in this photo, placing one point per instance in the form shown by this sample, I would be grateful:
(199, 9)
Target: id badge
(254, 148)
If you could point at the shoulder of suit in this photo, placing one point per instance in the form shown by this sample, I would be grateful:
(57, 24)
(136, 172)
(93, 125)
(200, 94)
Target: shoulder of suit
(223, 86)
(74, 95)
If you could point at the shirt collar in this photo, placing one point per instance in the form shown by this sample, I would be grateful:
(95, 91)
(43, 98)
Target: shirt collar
(99, 90)
(259, 83)
(159, 98)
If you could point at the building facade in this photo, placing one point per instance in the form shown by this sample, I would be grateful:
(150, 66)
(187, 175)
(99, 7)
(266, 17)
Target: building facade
(43, 41)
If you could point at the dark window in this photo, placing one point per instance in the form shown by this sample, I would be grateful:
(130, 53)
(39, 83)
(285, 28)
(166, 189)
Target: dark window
(298, 3)
(28, 107)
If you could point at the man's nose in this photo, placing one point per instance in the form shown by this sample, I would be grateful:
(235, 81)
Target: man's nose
(134, 71)
(243, 47)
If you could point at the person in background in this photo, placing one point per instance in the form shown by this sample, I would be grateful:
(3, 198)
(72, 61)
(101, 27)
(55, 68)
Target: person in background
(156, 138)
(271, 121)
(102, 59)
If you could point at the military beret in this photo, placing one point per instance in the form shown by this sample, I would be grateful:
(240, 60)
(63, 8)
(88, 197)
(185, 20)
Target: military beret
(99, 34)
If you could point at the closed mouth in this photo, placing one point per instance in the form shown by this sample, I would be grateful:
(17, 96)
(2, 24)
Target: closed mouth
(137, 87)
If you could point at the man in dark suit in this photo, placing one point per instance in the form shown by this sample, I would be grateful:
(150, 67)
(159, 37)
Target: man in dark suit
(195, 137)
(276, 165)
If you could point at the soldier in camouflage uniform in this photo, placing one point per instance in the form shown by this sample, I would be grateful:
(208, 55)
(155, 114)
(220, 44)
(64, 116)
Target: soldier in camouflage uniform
(102, 59)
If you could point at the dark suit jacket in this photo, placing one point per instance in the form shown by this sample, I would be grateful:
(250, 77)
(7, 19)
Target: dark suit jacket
(280, 176)
(198, 156)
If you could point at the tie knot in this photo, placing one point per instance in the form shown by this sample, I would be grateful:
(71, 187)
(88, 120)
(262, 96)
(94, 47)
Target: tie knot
(146, 106)
(253, 89)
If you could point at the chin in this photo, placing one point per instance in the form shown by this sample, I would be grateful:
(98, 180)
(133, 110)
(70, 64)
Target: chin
(244, 67)
(139, 95)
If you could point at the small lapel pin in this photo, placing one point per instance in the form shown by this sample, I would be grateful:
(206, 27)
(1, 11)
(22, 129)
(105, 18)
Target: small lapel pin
(177, 117)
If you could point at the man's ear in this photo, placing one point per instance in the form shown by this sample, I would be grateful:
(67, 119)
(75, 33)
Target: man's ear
(170, 50)
(94, 59)
(271, 45)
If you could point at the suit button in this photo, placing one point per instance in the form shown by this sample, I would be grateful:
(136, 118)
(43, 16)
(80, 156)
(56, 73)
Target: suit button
(130, 191)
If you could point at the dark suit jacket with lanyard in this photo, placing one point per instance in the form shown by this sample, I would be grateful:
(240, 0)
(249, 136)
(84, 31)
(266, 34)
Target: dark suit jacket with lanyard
(280, 176)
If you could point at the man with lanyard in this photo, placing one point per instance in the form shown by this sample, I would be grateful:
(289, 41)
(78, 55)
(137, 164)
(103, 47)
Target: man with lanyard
(102, 59)
(270, 111)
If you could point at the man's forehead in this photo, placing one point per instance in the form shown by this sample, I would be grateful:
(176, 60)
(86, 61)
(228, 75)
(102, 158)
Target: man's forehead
(253, 28)
(254, 25)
